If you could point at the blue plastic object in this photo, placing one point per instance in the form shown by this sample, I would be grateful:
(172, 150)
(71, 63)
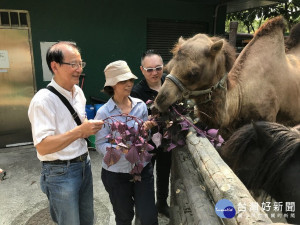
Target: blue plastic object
(90, 111)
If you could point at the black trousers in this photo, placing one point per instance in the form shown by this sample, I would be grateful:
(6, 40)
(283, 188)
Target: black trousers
(125, 194)
(163, 168)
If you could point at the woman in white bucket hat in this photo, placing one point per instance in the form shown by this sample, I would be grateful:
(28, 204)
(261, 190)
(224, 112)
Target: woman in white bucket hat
(124, 194)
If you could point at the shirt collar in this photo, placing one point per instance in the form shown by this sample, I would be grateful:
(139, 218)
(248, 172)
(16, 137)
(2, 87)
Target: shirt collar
(64, 92)
(112, 105)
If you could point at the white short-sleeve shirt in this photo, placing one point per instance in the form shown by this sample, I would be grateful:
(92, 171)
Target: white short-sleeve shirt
(49, 116)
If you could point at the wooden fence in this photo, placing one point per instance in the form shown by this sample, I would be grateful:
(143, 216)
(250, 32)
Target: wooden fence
(200, 178)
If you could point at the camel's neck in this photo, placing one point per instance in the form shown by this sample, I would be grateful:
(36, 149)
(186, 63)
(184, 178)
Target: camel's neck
(222, 109)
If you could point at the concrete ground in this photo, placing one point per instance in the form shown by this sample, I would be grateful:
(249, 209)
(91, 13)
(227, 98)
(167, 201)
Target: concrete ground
(23, 203)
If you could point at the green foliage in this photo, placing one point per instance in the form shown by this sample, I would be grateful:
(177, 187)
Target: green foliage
(250, 20)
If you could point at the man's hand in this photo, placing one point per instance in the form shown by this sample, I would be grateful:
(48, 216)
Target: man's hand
(90, 127)
(56, 143)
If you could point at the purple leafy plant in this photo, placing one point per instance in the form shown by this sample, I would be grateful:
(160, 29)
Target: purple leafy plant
(131, 141)
(174, 126)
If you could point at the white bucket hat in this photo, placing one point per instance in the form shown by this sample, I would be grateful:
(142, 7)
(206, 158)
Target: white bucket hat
(117, 71)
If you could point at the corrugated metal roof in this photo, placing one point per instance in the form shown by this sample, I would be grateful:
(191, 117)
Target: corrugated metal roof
(240, 5)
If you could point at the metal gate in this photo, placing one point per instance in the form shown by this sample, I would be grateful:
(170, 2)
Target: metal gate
(16, 77)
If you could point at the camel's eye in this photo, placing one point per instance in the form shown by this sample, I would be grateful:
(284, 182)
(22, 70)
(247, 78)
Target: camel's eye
(194, 73)
(180, 56)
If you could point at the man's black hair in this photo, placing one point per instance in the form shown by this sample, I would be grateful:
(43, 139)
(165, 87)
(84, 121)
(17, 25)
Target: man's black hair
(55, 54)
(150, 52)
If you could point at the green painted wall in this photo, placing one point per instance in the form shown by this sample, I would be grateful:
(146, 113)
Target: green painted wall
(105, 30)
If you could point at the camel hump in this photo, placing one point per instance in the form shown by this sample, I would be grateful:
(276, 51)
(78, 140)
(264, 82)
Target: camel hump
(294, 38)
(269, 26)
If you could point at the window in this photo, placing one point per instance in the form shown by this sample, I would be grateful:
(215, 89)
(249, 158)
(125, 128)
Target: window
(13, 18)
(4, 18)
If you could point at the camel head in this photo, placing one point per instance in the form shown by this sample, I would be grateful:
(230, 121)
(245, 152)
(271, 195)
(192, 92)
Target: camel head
(198, 63)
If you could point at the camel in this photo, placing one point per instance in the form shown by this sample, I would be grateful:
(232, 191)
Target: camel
(263, 83)
(292, 43)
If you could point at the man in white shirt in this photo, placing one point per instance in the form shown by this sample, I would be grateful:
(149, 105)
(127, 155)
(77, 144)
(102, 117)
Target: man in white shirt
(66, 176)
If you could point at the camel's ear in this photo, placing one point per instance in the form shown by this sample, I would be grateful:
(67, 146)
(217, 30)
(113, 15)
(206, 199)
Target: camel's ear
(177, 46)
(262, 138)
(181, 40)
(216, 47)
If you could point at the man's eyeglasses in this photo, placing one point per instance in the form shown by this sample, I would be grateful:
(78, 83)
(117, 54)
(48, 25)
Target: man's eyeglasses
(75, 65)
(157, 69)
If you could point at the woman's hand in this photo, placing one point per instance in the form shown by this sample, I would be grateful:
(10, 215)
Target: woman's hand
(149, 124)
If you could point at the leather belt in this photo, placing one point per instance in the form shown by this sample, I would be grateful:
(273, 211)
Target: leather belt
(80, 158)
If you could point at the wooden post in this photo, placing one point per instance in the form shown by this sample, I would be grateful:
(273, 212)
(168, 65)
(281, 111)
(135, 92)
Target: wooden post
(193, 201)
(233, 32)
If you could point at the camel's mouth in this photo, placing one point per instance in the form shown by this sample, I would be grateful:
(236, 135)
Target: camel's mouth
(160, 103)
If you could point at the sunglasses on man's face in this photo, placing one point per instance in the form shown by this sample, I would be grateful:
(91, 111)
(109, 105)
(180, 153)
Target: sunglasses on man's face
(150, 70)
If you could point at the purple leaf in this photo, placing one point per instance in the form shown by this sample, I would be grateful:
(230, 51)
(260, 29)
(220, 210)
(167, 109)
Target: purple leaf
(132, 139)
(212, 132)
(114, 126)
(132, 156)
(220, 139)
(108, 136)
(137, 169)
(138, 146)
(112, 156)
(149, 102)
(133, 131)
(122, 127)
(149, 147)
(156, 138)
(218, 145)
(181, 142)
(171, 146)
(118, 140)
(140, 140)
(145, 156)
(184, 124)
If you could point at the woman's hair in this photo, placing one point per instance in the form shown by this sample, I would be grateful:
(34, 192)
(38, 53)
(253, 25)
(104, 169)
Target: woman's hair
(108, 90)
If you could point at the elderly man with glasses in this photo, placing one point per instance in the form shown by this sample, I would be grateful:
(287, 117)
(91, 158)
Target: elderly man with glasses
(147, 89)
(59, 137)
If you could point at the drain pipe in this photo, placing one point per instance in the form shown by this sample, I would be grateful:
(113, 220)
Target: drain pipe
(216, 16)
